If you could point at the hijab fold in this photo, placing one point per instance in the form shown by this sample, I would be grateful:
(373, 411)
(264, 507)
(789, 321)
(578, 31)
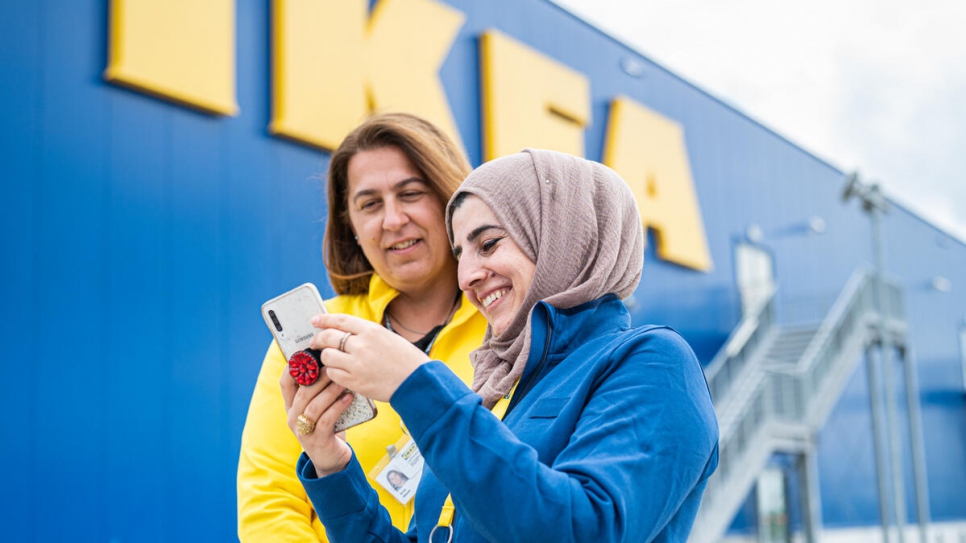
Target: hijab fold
(577, 221)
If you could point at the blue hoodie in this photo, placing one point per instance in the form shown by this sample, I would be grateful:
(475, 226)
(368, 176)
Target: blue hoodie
(610, 436)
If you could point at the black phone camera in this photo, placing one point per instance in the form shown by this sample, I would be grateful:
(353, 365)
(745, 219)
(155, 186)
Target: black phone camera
(271, 315)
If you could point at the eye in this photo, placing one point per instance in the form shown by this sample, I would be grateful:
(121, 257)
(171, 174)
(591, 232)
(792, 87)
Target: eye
(457, 251)
(487, 246)
(410, 195)
(368, 205)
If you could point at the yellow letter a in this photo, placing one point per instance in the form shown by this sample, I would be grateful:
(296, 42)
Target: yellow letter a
(649, 152)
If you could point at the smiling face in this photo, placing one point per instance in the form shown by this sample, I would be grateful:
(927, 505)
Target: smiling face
(493, 271)
(398, 220)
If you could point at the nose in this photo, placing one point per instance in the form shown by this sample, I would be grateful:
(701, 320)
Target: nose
(469, 272)
(395, 216)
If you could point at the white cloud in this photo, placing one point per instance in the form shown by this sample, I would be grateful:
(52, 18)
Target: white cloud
(873, 86)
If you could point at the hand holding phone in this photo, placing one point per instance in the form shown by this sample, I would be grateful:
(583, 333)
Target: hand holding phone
(289, 317)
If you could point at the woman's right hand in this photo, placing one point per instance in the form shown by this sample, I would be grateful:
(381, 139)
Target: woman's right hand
(322, 402)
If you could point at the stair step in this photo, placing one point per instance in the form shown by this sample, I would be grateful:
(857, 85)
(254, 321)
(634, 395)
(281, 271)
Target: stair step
(767, 409)
(790, 345)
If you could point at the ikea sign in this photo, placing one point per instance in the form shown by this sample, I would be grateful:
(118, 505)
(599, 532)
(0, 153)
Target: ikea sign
(333, 61)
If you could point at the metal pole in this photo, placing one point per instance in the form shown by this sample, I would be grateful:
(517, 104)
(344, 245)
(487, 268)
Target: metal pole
(809, 494)
(874, 206)
(918, 447)
(880, 463)
(787, 496)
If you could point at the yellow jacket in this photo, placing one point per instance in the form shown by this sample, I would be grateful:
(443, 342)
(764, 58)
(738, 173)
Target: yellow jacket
(272, 505)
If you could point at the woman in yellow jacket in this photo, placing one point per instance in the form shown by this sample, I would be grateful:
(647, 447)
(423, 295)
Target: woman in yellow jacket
(389, 259)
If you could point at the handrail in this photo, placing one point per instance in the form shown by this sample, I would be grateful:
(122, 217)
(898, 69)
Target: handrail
(800, 384)
(733, 355)
(782, 394)
(740, 433)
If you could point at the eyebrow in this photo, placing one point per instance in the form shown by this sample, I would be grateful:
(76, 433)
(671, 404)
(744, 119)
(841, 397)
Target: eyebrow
(473, 235)
(397, 186)
(478, 231)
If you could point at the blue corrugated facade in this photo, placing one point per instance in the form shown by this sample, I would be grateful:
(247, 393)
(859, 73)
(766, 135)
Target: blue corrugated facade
(140, 237)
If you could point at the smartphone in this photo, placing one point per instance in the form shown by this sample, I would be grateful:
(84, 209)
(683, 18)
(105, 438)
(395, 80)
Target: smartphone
(289, 318)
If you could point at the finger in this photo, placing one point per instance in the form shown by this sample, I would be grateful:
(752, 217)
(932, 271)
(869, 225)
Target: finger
(332, 339)
(319, 341)
(340, 376)
(342, 367)
(289, 387)
(304, 394)
(318, 403)
(332, 411)
(341, 321)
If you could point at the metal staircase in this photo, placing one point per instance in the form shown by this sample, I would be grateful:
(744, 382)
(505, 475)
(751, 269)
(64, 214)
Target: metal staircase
(774, 386)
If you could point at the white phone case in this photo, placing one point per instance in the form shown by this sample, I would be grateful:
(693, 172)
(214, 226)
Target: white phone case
(288, 317)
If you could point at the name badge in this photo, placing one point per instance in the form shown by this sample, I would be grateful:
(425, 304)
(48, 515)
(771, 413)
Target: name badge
(399, 471)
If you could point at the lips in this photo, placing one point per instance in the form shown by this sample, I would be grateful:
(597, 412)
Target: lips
(403, 245)
(493, 296)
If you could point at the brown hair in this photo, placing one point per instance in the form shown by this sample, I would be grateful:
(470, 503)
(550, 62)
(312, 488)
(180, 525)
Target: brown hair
(432, 152)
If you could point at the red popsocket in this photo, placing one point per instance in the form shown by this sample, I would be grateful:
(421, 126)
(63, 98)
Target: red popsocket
(304, 366)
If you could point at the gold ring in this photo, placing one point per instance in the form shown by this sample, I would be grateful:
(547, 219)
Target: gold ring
(344, 339)
(304, 425)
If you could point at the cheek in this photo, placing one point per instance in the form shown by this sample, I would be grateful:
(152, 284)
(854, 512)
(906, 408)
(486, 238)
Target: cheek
(522, 277)
(439, 242)
(363, 228)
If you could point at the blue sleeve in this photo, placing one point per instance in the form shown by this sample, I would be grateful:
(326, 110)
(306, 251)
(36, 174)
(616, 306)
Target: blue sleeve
(640, 452)
(347, 505)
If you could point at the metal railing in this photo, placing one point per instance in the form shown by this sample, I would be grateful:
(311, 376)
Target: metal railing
(796, 385)
(742, 343)
(801, 392)
(797, 395)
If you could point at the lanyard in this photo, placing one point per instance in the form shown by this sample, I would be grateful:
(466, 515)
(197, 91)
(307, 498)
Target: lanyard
(449, 510)
(432, 341)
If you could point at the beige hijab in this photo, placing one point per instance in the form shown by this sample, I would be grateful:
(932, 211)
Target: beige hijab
(577, 221)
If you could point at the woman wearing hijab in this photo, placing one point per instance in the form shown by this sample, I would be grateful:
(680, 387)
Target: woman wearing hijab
(607, 431)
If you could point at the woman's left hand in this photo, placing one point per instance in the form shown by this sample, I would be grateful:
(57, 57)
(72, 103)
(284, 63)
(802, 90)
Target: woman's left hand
(372, 361)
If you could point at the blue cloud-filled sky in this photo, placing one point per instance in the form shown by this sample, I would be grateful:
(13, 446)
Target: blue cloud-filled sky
(873, 86)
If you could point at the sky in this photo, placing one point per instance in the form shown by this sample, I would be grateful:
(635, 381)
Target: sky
(876, 87)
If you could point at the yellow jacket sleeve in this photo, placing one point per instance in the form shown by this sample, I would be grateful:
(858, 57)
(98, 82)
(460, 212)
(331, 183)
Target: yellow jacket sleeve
(272, 505)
